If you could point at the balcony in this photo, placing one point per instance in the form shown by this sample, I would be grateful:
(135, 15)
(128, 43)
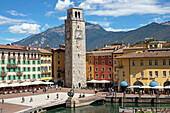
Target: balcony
(19, 57)
(3, 73)
(12, 66)
(3, 57)
(19, 73)
(11, 57)
(59, 70)
(33, 58)
(45, 72)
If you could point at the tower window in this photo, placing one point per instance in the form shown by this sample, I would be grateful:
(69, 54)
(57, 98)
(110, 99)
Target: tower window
(76, 14)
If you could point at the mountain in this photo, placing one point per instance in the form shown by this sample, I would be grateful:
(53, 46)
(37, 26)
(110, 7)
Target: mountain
(96, 36)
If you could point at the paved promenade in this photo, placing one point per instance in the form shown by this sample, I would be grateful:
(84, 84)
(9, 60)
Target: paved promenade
(13, 101)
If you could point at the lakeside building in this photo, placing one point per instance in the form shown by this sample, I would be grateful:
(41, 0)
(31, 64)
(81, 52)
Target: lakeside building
(58, 64)
(19, 63)
(148, 68)
(46, 64)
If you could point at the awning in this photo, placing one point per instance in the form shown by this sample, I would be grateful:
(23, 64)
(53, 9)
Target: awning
(167, 87)
(145, 87)
(153, 84)
(48, 83)
(124, 83)
(98, 81)
(158, 87)
(133, 87)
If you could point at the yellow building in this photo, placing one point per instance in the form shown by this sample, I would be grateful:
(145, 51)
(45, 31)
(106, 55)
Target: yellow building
(46, 62)
(89, 66)
(143, 68)
(59, 65)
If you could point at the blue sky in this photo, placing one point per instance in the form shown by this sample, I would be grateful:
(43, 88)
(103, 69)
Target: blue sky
(22, 18)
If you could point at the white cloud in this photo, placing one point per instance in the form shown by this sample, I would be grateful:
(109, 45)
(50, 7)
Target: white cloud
(106, 24)
(10, 39)
(49, 13)
(118, 8)
(63, 5)
(46, 27)
(25, 28)
(15, 13)
(62, 18)
(158, 20)
(118, 30)
(6, 20)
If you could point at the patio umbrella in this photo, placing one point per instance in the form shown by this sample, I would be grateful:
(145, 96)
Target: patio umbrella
(145, 87)
(134, 87)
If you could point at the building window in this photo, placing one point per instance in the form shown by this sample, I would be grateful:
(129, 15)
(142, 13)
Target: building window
(33, 61)
(13, 77)
(33, 68)
(103, 69)
(150, 73)
(156, 73)
(103, 76)
(142, 74)
(156, 62)
(28, 68)
(102, 56)
(38, 68)
(110, 76)
(96, 56)
(169, 73)
(28, 76)
(58, 62)
(24, 76)
(115, 61)
(164, 62)
(33, 76)
(164, 73)
(110, 62)
(110, 56)
(96, 69)
(123, 74)
(90, 61)
(103, 62)
(90, 56)
(110, 69)
(49, 67)
(133, 63)
(58, 56)
(141, 62)
(3, 62)
(115, 76)
(134, 74)
(19, 77)
(169, 61)
(90, 68)
(150, 62)
(39, 76)
(96, 62)
(96, 76)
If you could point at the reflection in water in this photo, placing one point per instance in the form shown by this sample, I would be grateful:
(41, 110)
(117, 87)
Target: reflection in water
(102, 108)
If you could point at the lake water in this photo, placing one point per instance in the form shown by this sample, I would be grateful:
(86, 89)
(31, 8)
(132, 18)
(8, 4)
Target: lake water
(102, 108)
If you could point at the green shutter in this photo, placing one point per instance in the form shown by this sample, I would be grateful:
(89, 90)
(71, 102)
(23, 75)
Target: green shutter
(26, 68)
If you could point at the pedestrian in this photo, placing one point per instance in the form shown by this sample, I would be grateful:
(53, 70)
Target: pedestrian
(57, 96)
(31, 99)
(2, 100)
(95, 91)
(48, 96)
(23, 100)
(60, 87)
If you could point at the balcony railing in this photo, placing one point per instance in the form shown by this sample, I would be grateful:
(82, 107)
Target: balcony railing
(3, 73)
(11, 57)
(59, 70)
(19, 73)
(3, 57)
(11, 65)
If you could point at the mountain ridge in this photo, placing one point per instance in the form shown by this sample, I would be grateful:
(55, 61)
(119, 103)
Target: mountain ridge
(96, 36)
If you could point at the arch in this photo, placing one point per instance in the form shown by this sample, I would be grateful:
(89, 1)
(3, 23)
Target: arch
(167, 83)
(76, 14)
(138, 83)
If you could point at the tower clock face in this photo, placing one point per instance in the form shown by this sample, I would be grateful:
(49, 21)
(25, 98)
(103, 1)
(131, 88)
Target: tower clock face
(78, 34)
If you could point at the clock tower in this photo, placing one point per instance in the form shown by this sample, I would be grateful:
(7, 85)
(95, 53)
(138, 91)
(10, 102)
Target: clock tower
(75, 49)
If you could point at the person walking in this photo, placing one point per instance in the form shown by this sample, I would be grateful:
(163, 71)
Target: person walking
(48, 96)
(2, 100)
(57, 96)
(31, 100)
(23, 100)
